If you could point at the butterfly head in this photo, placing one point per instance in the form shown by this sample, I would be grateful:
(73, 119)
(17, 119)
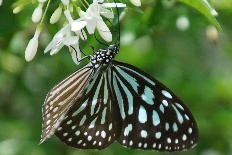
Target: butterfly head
(104, 56)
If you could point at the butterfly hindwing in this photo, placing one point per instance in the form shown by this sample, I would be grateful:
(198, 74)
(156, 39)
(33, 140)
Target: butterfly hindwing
(152, 116)
(91, 123)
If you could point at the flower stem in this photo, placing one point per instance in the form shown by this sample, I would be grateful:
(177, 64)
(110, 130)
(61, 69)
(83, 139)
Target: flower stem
(46, 9)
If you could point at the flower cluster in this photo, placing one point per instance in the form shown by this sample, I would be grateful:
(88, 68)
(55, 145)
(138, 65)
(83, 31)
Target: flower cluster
(90, 20)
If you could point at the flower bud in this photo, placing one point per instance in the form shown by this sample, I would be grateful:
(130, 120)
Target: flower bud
(56, 15)
(32, 46)
(17, 9)
(136, 2)
(37, 14)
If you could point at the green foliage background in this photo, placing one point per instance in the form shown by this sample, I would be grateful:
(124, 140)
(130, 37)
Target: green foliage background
(196, 68)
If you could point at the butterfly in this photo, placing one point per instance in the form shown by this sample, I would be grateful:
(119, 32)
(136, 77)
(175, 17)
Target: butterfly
(107, 101)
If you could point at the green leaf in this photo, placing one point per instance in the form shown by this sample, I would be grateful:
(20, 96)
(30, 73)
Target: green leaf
(204, 9)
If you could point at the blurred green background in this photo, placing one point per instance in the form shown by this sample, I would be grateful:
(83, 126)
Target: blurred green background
(196, 63)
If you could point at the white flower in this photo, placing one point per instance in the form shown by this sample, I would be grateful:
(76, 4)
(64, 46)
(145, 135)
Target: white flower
(32, 46)
(56, 15)
(94, 20)
(0, 2)
(63, 37)
(37, 14)
(136, 2)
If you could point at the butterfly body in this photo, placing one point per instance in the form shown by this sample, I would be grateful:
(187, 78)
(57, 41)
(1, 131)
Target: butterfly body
(107, 101)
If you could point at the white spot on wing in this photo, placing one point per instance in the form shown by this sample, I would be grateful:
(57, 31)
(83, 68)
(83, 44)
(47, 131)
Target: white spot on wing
(82, 120)
(167, 94)
(161, 108)
(179, 116)
(175, 127)
(77, 133)
(103, 134)
(142, 114)
(103, 116)
(92, 124)
(127, 129)
(158, 135)
(165, 103)
(155, 118)
(148, 95)
(166, 126)
(143, 134)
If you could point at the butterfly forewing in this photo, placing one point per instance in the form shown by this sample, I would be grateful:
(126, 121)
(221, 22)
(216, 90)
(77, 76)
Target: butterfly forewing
(152, 116)
(61, 97)
(92, 121)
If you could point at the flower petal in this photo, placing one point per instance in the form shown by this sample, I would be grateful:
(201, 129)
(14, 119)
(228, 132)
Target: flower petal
(81, 34)
(76, 54)
(111, 5)
(56, 15)
(32, 46)
(107, 13)
(37, 14)
(68, 16)
(71, 40)
(56, 48)
(78, 25)
(104, 31)
(91, 25)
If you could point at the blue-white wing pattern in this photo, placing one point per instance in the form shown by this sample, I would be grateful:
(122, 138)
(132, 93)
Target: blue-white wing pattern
(153, 117)
(91, 123)
(64, 93)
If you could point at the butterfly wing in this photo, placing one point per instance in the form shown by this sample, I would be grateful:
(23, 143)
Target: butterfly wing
(61, 97)
(93, 120)
(153, 117)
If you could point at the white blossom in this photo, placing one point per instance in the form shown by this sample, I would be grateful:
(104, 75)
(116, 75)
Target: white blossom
(32, 46)
(56, 15)
(136, 2)
(0, 2)
(17, 9)
(37, 14)
(94, 20)
(63, 37)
